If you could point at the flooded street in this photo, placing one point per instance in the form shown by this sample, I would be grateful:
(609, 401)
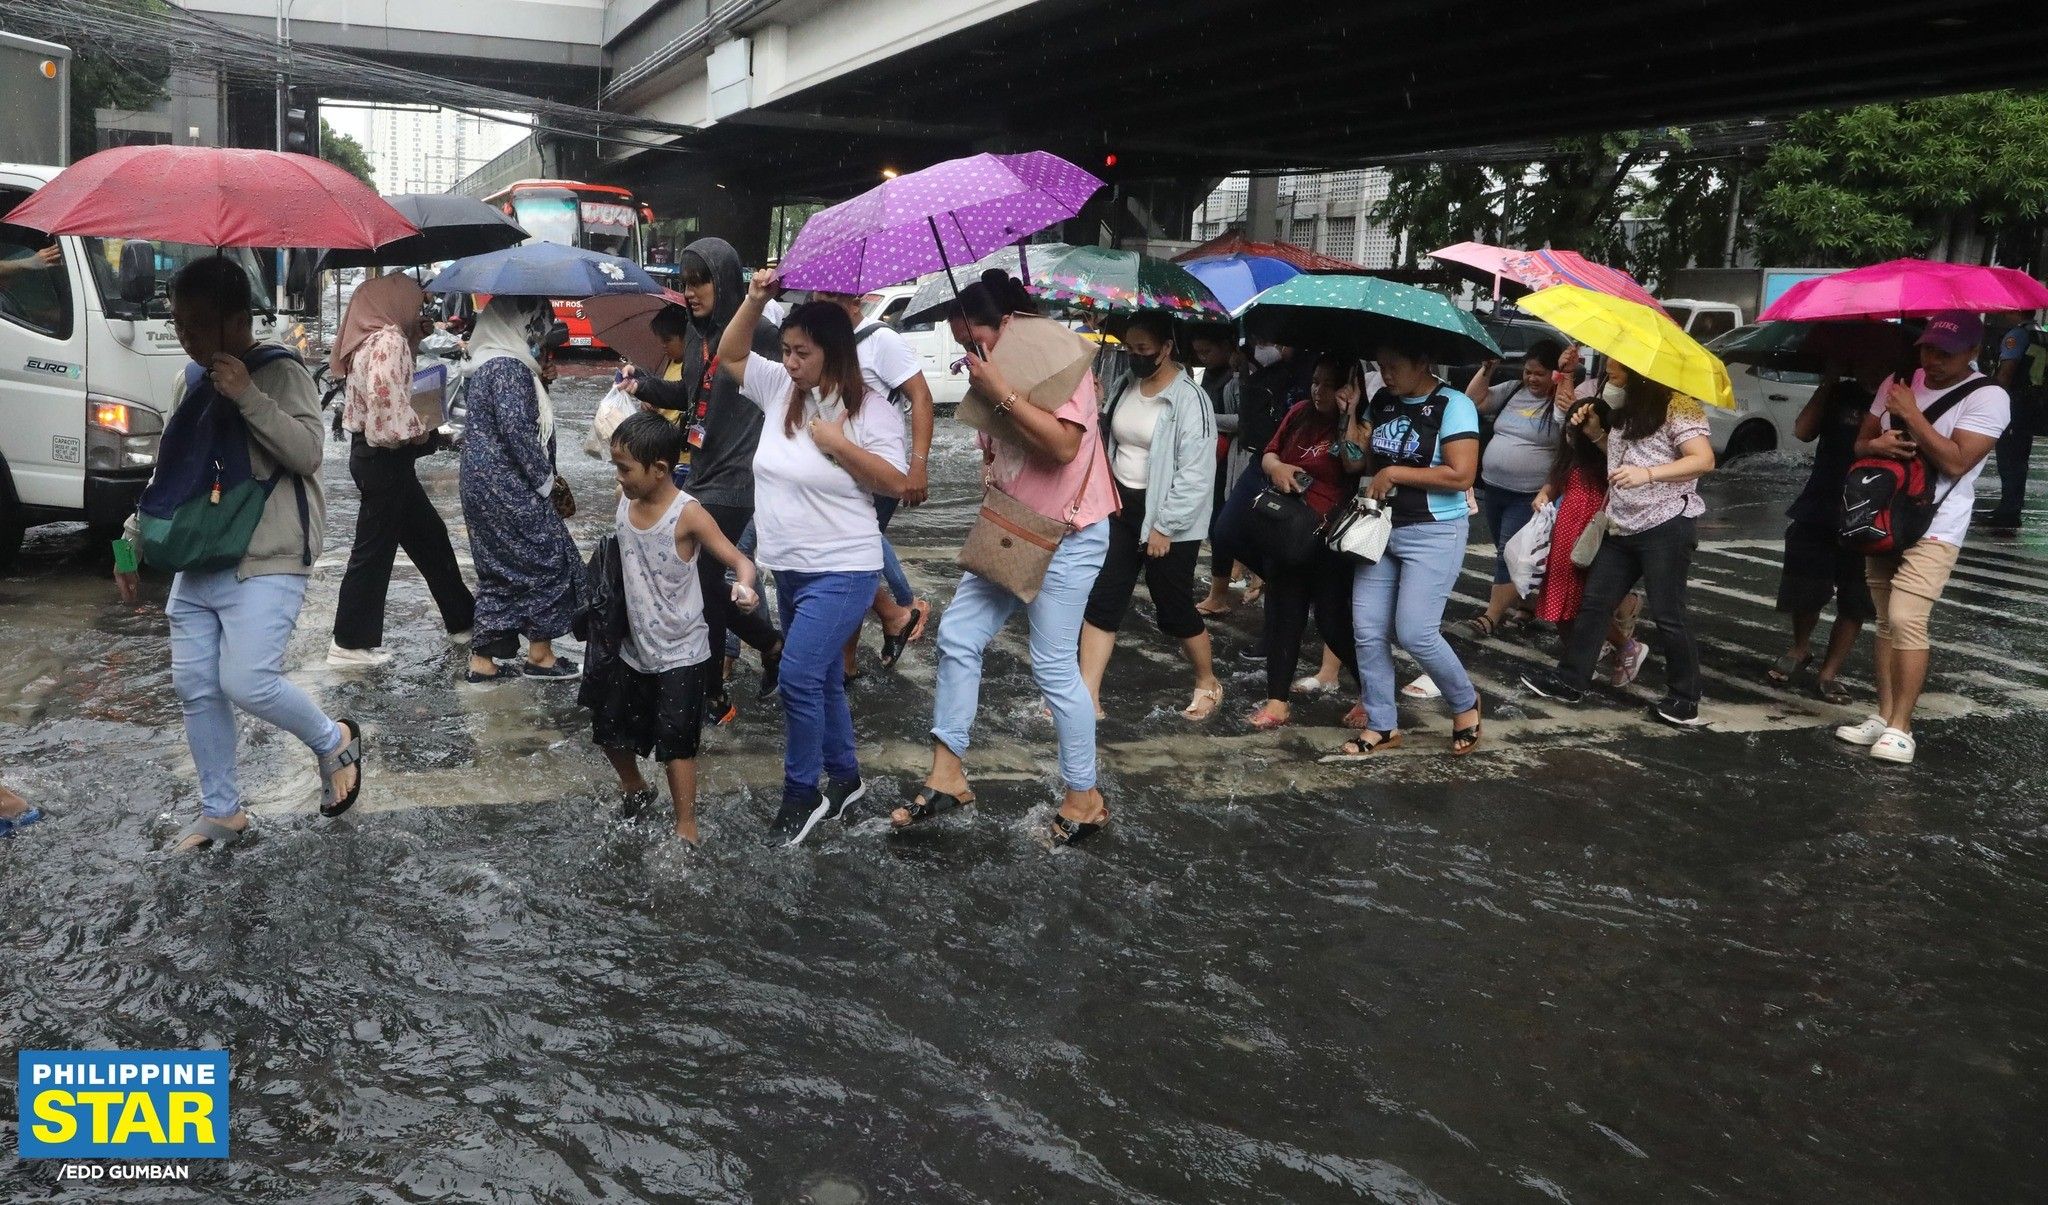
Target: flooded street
(1599, 961)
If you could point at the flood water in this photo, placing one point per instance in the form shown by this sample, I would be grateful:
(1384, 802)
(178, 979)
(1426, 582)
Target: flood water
(1596, 962)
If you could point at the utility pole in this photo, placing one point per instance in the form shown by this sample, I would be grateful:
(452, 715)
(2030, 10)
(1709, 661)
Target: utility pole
(278, 298)
(1734, 218)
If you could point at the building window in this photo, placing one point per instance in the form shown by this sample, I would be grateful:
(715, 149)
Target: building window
(1340, 237)
(1302, 231)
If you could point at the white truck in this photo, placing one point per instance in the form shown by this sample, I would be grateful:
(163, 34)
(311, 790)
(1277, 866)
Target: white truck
(89, 365)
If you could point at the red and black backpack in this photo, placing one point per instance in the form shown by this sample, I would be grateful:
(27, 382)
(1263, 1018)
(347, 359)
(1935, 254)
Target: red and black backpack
(1888, 505)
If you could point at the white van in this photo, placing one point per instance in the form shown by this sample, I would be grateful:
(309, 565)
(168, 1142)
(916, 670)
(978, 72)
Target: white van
(88, 367)
(933, 343)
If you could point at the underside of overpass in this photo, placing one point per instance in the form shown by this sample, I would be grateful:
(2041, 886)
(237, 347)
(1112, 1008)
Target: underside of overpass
(1200, 88)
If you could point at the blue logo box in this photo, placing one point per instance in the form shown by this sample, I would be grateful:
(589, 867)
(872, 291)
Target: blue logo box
(122, 1104)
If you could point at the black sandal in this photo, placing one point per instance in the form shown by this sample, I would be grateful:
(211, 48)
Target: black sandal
(893, 646)
(927, 804)
(1831, 691)
(1479, 627)
(1515, 622)
(350, 754)
(1360, 748)
(1465, 740)
(1072, 832)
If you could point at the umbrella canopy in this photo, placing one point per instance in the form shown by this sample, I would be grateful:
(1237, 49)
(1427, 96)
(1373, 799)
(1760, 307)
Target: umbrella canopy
(1236, 279)
(936, 290)
(1233, 242)
(544, 270)
(620, 322)
(1813, 346)
(1642, 339)
(212, 197)
(1355, 315)
(1518, 273)
(949, 213)
(450, 227)
(1080, 280)
(1909, 288)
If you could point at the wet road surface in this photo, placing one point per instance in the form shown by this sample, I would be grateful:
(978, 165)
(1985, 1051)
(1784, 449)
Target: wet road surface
(1600, 961)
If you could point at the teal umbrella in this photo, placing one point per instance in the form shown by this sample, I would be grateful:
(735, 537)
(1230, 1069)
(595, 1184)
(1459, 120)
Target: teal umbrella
(1082, 280)
(1357, 315)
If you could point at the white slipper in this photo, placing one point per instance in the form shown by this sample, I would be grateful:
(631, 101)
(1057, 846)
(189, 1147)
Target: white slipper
(1422, 688)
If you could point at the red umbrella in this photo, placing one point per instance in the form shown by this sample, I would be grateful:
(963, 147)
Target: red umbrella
(213, 197)
(620, 322)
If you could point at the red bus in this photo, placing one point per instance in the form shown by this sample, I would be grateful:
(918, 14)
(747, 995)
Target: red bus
(595, 217)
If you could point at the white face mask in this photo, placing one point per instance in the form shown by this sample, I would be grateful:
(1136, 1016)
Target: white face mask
(1616, 396)
(1265, 355)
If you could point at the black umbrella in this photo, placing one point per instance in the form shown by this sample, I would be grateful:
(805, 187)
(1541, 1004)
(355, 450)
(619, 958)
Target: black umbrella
(1813, 346)
(451, 227)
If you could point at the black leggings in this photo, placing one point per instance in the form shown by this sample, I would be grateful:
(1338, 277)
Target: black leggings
(395, 514)
(1169, 578)
(1324, 585)
(719, 614)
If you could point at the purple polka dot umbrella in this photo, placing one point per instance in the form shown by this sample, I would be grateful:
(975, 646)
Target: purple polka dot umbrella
(929, 220)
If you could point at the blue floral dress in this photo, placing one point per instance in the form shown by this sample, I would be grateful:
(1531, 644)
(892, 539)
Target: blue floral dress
(529, 577)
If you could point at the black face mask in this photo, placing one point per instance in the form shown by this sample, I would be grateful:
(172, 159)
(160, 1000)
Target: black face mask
(1143, 366)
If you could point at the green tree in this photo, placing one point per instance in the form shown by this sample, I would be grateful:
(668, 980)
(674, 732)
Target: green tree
(1960, 177)
(344, 152)
(106, 79)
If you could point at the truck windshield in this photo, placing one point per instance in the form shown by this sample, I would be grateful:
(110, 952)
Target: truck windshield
(134, 275)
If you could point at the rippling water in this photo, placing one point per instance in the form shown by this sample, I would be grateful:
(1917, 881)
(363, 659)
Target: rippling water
(1726, 967)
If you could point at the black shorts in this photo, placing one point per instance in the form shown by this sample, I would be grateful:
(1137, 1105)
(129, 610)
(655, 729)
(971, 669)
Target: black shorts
(660, 714)
(1818, 570)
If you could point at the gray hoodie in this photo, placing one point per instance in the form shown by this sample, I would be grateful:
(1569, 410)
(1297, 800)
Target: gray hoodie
(282, 408)
(722, 471)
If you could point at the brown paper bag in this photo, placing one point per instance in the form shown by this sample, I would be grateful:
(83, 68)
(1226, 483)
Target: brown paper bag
(1042, 360)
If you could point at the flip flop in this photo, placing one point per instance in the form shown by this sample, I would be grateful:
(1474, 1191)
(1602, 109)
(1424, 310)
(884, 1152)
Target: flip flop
(1422, 688)
(212, 833)
(1787, 668)
(11, 825)
(350, 754)
(1313, 686)
(893, 646)
(927, 804)
(1831, 691)
(633, 803)
(1465, 740)
(1360, 749)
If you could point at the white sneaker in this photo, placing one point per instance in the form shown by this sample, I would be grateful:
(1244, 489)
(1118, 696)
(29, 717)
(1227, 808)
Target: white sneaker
(1894, 746)
(1864, 734)
(355, 658)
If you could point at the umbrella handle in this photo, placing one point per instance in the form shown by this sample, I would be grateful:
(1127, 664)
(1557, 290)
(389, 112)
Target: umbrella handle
(1024, 262)
(945, 263)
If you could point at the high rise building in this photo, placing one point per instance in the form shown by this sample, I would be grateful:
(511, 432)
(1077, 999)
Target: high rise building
(1327, 212)
(427, 150)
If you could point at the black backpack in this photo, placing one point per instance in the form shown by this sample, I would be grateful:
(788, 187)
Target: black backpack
(1887, 504)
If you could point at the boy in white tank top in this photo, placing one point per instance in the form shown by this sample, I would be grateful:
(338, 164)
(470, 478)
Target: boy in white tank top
(649, 700)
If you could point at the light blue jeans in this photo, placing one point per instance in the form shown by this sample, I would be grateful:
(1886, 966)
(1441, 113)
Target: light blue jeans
(820, 613)
(227, 652)
(979, 610)
(892, 568)
(1401, 599)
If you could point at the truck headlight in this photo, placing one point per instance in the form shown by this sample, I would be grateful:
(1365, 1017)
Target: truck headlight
(120, 435)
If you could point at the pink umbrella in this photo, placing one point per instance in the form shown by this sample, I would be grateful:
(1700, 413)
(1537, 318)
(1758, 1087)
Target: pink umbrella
(929, 220)
(1908, 288)
(1529, 271)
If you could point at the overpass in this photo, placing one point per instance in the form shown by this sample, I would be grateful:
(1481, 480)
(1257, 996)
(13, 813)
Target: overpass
(773, 100)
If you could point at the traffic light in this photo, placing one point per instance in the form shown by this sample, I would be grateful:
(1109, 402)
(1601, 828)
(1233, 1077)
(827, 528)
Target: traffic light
(300, 136)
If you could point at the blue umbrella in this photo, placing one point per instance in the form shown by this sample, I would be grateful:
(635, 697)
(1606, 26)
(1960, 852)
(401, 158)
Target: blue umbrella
(1236, 279)
(544, 270)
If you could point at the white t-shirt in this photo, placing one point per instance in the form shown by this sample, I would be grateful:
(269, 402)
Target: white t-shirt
(810, 515)
(1988, 411)
(886, 361)
(1136, 418)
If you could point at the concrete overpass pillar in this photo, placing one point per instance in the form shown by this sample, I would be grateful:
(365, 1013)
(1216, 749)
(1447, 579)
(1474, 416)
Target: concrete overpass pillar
(1262, 209)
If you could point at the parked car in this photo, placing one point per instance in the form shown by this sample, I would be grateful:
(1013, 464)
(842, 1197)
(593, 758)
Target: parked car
(1767, 402)
(932, 342)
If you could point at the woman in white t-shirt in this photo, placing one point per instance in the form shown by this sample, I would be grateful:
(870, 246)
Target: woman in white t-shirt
(828, 447)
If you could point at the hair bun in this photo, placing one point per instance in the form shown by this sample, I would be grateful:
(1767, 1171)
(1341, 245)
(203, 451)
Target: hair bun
(995, 278)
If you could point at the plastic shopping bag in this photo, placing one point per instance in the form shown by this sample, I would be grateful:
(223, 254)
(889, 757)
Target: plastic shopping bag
(1528, 553)
(616, 408)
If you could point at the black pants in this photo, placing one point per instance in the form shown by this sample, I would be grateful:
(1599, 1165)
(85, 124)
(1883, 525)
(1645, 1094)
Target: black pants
(719, 614)
(1230, 532)
(1169, 578)
(1219, 562)
(1661, 557)
(1322, 585)
(2015, 449)
(396, 513)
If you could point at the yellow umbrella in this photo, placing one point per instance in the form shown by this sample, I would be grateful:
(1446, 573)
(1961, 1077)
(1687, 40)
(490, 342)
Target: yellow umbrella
(1643, 340)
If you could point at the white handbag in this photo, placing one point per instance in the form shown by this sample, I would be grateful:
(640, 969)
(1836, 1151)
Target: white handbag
(1361, 530)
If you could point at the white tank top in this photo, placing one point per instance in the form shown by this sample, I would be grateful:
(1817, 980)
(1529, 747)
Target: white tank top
(664, 607)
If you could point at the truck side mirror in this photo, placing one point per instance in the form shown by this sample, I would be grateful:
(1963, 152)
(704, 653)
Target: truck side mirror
(138, 272)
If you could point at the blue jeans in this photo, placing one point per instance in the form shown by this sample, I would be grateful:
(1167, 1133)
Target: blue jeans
(980, 609)
(892, 569)
(1507, 512)
(1401, 599)
(820, 613)
(227, 652)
